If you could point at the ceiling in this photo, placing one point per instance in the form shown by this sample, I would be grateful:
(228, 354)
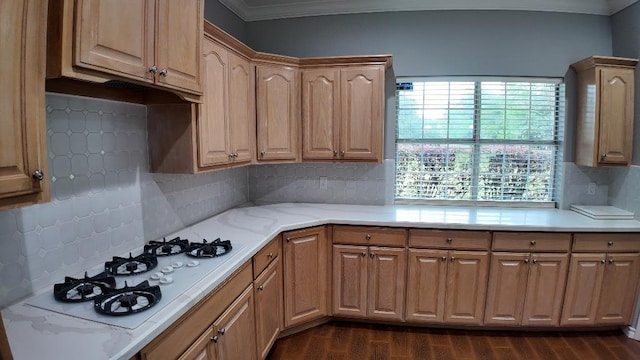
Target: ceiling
(253, 10)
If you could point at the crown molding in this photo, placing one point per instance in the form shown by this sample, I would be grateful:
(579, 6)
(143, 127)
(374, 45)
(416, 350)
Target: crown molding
(248, 10)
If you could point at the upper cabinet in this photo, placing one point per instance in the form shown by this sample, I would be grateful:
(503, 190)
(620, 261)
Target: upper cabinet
(605, 111)
(278, 113)
(343, 113)
(23, 160)
(155, 42)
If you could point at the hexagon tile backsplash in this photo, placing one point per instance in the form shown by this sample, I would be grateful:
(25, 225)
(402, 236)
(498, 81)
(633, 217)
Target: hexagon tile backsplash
(104, 200)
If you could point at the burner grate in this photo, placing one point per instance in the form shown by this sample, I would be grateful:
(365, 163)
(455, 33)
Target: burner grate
(209, 250)
(85, 289)
(131, 265)
(166, 248)
(128, 300)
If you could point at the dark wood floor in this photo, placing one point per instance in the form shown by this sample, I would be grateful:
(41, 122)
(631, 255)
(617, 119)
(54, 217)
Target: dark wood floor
(363, 341)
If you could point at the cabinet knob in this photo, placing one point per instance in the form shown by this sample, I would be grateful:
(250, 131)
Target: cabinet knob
(261, 287)
(449, 240)
(453, 258)
(214, 339)
(526, 261)
(533, 243)
(270, 255)
(444, 258)
(262, 153)
(603, 155)
(153, 69)
(363, 254)
(288, 239)
(610, 243)
(535, 261)
(368, 237)
(603, 261)
(372, 255)
(335, 153)
(38, 175)
(342, 153)
(230, 156)
(610, 261)
(164, 72)
(222, 331)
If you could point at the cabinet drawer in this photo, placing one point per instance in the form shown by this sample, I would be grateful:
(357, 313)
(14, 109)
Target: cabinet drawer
(367, 235)
(264, 257)
(447, 239)
(531, 241)
(607, 242)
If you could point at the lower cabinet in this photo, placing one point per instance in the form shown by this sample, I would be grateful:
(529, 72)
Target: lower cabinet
(526, 289)
(232, 335)
(305, 275)
(369, 282)
(601, 289)
(446, 286)
(268, 290)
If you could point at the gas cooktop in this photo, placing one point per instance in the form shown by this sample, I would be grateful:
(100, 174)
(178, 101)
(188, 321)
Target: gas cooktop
(128, 290)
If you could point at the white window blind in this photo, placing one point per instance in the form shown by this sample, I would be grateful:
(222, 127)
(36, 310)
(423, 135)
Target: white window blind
(478, 140)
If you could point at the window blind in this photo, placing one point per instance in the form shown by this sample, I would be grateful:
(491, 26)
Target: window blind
(478, 140)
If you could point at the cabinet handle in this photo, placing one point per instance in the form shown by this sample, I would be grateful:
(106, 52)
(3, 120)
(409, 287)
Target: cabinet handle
(535, 261)
(603, 261)
(449, 240)
(533, 242)
(261, 287)
(153, 69)
(453, 258)
(610, 261)
(37, 175)
(222, 331)
(214, 339)
(368, 237)
(342, 153)
(270, 255)
(164, 72)
(526, 261)
(363, 254)
(610, 243)
(444, 258)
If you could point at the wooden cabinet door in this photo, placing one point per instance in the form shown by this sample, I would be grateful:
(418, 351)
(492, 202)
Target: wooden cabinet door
(277, 113)
(320, 113)
(241, 107)
(616, 116)
(213, 121)
(268, 289)
(362, 115)
(507, 286)
(618, 292)
(545, 288)
(178, 42)
(305, 275)
(426, 285)
(202, 349)
(350, 280)
(22, 119)
(466, 287)
(116, 37)
(387, 278)
(583, 289)
(235, 330)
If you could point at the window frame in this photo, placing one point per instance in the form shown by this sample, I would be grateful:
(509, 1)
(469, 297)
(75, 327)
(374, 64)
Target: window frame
(476, 142)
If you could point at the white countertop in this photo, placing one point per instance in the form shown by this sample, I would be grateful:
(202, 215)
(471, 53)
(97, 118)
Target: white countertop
(40, 334)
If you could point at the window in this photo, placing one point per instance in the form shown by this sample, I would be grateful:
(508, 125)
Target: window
(479, 140)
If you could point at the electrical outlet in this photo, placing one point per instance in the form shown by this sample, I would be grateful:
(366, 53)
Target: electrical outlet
(323, 183)
(591, 188)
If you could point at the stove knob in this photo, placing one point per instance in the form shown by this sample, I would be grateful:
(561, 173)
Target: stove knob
(193, 263)
(177, 265)
(157, 276)
(166, 280)
(167, 269)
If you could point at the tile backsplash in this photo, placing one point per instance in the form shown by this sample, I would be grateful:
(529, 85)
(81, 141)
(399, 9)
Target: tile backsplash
(104, 200)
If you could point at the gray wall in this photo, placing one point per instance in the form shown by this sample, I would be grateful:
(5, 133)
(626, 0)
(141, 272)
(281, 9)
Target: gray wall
(222, 17)
(445, 42)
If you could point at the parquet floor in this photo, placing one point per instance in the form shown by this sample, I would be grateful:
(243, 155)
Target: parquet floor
(349, 341)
